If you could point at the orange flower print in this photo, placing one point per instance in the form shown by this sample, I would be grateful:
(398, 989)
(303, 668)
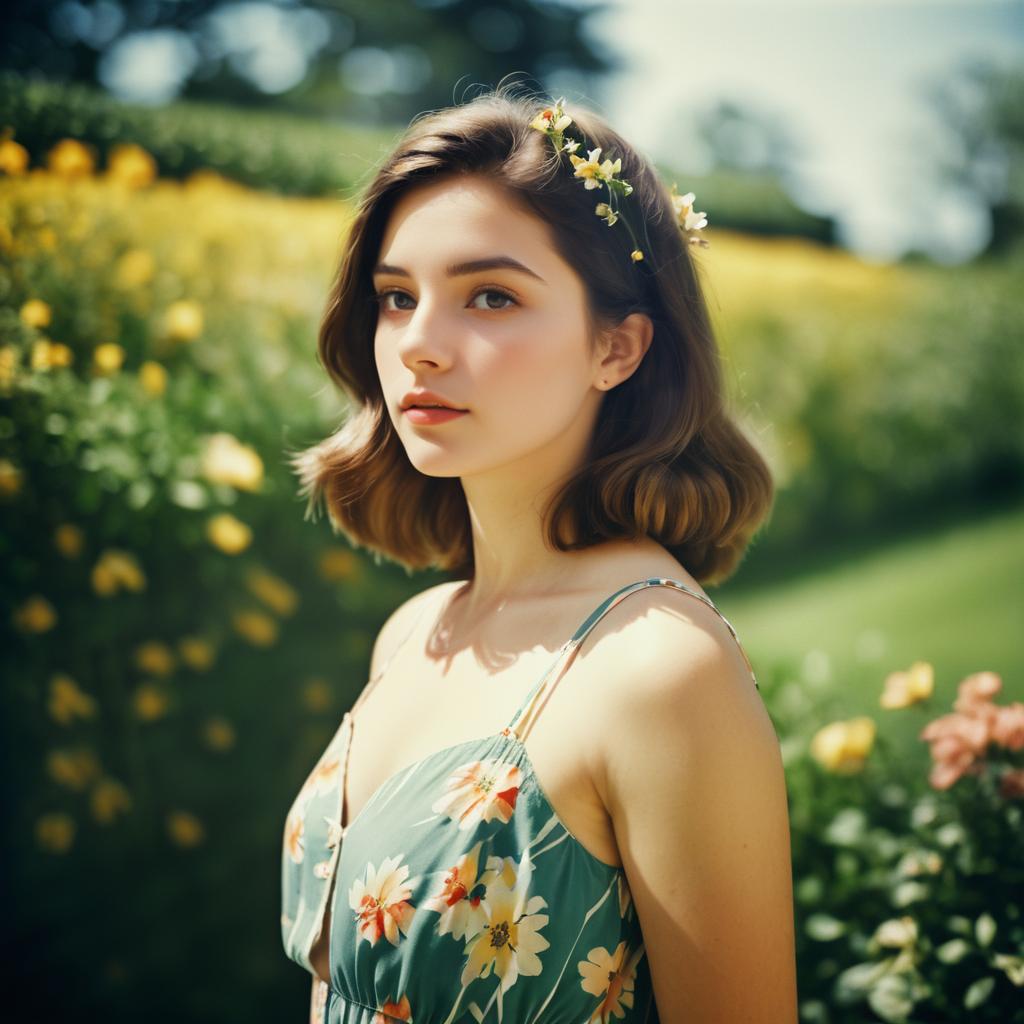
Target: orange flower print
(295, 827)
(325, 775)
(610, 976)
(510, 939)
(480, 791)
(394, 1011)
(381, 901)
(457, 897)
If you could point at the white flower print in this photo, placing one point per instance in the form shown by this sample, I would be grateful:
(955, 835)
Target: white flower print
(457, 897)
(380, 900)
(480, 791)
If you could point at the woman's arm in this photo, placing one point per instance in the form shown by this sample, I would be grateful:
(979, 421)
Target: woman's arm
(695, 786)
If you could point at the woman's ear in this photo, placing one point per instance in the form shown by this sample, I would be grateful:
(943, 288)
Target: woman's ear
(624, 346)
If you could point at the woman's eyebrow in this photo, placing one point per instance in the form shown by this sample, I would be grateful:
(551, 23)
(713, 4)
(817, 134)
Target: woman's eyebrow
(467, 267)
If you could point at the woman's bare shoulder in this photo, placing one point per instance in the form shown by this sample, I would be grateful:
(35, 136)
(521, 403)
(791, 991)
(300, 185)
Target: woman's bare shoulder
(403, 619)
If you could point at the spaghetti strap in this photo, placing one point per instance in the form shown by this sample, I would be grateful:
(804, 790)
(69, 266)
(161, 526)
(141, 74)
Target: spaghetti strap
(570, 647)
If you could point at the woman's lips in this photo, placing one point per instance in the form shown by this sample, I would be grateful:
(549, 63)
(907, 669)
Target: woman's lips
(424, 416)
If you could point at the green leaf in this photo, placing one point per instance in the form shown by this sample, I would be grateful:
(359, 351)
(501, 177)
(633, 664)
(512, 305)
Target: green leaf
(824, 927)
(891, 998)
(985, 929)
(952, 952)
(979, 992)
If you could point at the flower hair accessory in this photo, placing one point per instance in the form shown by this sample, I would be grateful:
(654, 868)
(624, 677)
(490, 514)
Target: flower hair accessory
(553, 121)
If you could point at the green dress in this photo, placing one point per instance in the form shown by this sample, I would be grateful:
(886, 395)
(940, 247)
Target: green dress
(457, 893)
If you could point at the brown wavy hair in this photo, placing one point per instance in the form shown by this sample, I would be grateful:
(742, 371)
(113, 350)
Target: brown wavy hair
(665, 460)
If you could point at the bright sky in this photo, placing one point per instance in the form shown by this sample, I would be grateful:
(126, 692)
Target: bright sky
(846, 75)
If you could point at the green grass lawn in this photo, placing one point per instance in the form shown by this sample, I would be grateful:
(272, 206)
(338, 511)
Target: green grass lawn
(953, 597)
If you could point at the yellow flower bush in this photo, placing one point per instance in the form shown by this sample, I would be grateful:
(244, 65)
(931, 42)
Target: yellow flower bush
(14, 157)
(131, 165)
(134, 268)
(117, 570)
(218, 733)
(55, 832)
(47, 355)
(153, 378)
(35, 313)
(317, 695)
(108, 799)
(150, 702)
(67, 701)
(185, 829)
(226, 460)
(338, 563)
(228, 533)
(183, 320)
(257, 627)
(71, 159)
(195, 652)
(11, 479)
(155, 658)
(74, 768)
(843, 747)
(108, 357)
(914, 685)
(273, 591)
(36, 615)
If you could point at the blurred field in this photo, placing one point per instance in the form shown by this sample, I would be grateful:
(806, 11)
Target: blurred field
(953, 597)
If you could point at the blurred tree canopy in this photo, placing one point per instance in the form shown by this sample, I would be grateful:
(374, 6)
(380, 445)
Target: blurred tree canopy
(386, 60)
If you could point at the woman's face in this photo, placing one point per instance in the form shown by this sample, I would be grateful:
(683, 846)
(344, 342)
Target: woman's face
(507, 344)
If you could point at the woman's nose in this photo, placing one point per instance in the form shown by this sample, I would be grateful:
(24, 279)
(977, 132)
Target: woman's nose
(427, 335)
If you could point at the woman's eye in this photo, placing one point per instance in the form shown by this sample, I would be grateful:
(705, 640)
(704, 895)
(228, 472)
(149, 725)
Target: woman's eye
(503, 296)
(494, 291)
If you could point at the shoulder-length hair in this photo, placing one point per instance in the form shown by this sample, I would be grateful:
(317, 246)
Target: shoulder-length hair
(665, 459)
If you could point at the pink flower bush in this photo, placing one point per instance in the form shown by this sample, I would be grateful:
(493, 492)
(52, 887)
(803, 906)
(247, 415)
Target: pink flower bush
(960, 741)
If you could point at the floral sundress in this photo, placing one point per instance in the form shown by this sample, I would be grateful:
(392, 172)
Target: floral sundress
(457, 892)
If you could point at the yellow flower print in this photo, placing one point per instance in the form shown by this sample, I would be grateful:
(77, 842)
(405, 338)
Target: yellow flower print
(295, 831)
(381, 901)
(510, 939)
(402, 1010)
(480, 791)
(457, 895)
(611, 977)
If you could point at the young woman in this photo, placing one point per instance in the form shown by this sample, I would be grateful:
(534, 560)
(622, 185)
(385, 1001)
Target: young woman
(559, 798)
